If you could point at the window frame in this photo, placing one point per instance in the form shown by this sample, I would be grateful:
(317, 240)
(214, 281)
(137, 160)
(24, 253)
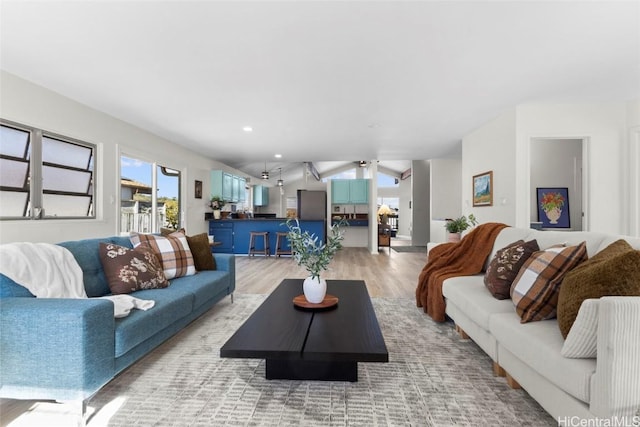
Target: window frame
(35, 172)
(156, 167)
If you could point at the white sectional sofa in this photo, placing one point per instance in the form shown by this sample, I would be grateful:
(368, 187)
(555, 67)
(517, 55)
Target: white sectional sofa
(529, 354)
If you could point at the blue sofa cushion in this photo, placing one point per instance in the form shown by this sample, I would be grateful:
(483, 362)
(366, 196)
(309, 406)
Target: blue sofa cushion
(9, 288)
(140, 325)
(203, 285)
(87, 253)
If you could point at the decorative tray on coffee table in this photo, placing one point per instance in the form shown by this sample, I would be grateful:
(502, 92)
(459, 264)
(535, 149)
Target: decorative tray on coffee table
(329, 301)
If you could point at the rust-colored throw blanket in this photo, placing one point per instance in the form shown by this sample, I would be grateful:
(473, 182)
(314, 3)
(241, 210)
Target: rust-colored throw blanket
(464, 258)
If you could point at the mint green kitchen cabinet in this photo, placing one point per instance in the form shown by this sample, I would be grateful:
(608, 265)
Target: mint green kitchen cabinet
(359, 191)
(243, 193)
(221, 183)
(340, 191)
(349, 191)
(260, 195)
(235, 189)
(227, 186)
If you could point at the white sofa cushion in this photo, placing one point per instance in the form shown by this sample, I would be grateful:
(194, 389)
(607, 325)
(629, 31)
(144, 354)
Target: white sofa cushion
(473, 298)
(583, 336)
(538, 344)
(607, 240)
(547, 239)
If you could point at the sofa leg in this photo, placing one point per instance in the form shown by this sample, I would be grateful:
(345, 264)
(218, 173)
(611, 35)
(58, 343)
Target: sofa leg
(231, 297)
(79, 410)
(498, 370)
(513, 383)
(462, 333)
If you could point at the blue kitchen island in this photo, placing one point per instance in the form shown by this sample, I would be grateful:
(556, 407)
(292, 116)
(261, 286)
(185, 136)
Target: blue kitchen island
(233, 234)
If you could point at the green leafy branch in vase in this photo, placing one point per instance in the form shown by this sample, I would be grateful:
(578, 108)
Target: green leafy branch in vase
(309, 251)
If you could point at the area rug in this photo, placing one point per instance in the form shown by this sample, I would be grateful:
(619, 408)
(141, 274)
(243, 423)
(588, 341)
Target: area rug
(422, 249)
(433, 378)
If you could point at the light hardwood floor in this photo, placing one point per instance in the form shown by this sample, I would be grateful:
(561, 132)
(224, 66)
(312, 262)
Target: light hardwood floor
(388, 274)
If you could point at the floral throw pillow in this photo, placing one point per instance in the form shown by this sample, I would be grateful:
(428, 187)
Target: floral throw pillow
(128, 270)
(506, 264)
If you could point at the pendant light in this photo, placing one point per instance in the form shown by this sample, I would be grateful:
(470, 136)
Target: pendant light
(280, 181)
(265, 173)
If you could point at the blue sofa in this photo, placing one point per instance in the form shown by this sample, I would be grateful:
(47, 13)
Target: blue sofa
(67, 349)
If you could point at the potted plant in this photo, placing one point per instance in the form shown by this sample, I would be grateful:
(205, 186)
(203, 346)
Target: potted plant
(217, 203)
(455, 227)
(309, 251)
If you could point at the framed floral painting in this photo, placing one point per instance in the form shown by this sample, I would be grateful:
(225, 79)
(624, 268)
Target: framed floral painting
(553, 207)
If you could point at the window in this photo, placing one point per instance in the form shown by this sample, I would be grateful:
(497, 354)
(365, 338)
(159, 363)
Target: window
(143, 192)
(43, 175)
(387, 181)
(348, 174)
(392, 202)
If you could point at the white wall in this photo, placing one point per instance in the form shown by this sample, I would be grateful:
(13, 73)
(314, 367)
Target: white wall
(420, 192)
(446, 184)
(604, 125)
(29, 104)
(503, 145)
(557, 163)
(492, 148)
(405, 212)
(278, 202)
(633, 123)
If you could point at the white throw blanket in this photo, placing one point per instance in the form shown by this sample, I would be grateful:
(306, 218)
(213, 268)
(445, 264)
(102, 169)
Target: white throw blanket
(51, 271)
(123, 304)
(48, 271)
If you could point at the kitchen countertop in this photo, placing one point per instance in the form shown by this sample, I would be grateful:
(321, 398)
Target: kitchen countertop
(236, 233)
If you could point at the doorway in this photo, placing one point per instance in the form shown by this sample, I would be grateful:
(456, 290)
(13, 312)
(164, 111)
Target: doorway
(634, 199)
(557, 167)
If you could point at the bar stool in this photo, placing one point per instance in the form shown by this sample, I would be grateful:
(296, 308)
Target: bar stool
(265, 242)
(280, 239)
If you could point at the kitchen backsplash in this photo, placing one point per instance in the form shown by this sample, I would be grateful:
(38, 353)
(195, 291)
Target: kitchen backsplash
(349, 209)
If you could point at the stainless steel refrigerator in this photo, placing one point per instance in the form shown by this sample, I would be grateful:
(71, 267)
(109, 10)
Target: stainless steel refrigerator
(312, 205)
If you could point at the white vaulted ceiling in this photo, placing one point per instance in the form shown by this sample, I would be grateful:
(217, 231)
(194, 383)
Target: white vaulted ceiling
(322, 80)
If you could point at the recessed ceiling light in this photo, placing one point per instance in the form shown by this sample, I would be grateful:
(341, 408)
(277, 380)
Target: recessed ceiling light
(277, 156)
(247, 129)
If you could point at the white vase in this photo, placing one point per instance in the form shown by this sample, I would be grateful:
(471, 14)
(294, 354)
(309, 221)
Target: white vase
(216, 213)
(314, 289)
(554, 215)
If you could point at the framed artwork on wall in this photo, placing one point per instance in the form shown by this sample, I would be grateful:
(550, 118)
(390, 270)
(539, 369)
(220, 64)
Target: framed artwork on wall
(553, 207)
(198, 189)
(483, 189)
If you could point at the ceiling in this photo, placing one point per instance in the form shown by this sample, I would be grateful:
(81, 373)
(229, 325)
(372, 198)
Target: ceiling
(322, 81)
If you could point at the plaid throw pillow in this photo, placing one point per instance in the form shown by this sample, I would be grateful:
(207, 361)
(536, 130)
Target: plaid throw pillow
(535, 290)
(172, 251)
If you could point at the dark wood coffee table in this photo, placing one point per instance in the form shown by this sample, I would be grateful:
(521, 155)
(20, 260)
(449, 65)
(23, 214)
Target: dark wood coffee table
(311, 345)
